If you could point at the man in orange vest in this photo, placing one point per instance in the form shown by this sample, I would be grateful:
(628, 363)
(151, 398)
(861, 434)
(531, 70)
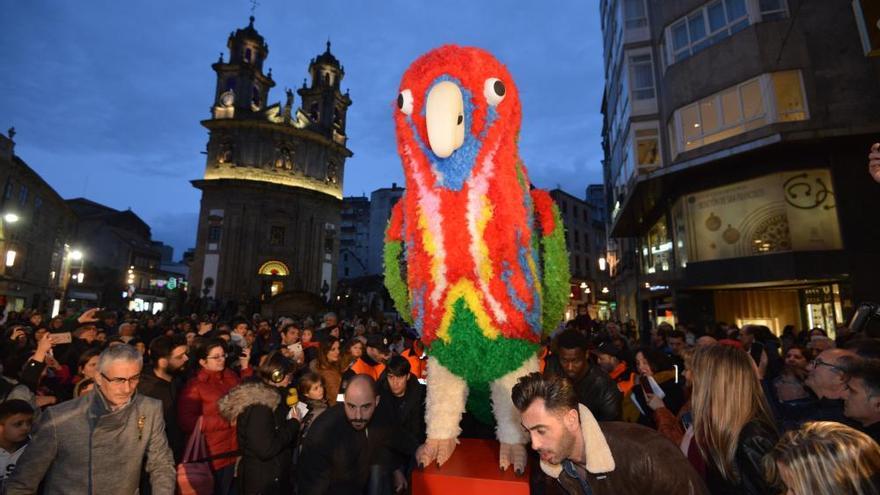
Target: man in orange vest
(373, 361)
(611, 359)
(417, 358)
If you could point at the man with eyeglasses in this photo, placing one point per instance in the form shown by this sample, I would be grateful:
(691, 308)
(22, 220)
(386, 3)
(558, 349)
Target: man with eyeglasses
(827, 379)
(97, 443)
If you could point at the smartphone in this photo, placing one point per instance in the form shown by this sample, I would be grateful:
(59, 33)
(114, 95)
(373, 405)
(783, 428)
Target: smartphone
(646, 387)
(61, 338)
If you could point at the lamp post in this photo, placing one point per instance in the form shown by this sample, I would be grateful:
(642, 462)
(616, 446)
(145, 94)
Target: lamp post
(71, 257)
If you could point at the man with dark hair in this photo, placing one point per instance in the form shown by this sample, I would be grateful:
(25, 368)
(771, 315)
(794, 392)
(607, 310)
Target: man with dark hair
(352, 445)
(677, 342)
(613, 361)
(162, 381)
(406, 396)
(593, 387)
(862, 396)
(599, 458)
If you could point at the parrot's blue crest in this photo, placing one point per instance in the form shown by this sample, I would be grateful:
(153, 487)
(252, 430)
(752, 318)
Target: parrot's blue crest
(452, 172)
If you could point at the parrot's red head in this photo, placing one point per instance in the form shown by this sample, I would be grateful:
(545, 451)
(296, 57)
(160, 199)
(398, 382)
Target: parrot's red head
(456, 106)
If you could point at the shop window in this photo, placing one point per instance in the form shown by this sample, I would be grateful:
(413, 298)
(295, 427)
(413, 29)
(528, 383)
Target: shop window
(657, 248)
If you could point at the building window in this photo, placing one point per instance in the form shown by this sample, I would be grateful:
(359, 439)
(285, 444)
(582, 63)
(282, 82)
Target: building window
(705, 27)
(577, 264)
(642, 72)
(23, 194)
(276, 236)
(772, 10)
(769, 98)
(564, 208)
(255, 96)
(634, 13)
(647, 149)
(10, 187)
(247, 54)
(214, 232)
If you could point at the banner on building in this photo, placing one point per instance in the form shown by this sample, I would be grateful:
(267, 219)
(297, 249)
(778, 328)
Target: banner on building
(789, 211)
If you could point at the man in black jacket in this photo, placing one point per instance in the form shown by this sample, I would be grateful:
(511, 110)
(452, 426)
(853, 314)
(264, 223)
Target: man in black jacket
(160, 382)
(352, 444)
(406, 396)
(594, 388)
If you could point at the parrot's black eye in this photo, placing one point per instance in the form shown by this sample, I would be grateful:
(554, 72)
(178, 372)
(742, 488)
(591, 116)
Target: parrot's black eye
(405, 101)
(494, 91)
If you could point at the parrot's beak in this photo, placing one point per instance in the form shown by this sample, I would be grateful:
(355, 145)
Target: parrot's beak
(444, 116)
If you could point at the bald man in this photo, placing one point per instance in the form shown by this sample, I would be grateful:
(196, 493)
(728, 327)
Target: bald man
(354, 444)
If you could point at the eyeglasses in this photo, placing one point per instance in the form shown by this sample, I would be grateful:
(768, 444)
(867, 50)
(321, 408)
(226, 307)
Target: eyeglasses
(220, 356)
(121, 381)
(818, 362)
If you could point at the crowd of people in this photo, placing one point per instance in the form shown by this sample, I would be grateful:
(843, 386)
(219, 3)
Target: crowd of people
(107, 403)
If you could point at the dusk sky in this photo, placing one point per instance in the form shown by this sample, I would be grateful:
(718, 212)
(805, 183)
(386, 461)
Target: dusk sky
(106, 96)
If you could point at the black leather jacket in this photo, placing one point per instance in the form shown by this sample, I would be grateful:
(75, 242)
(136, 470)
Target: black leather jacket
(755, 441)
(600, 394)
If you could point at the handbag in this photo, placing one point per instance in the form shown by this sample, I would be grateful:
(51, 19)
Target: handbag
(194, 475)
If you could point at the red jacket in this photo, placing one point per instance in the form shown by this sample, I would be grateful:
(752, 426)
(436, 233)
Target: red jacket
(199, 398)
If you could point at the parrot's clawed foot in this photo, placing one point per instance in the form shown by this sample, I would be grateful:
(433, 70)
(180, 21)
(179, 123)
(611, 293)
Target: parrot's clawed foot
(515, 454)
(439, 449)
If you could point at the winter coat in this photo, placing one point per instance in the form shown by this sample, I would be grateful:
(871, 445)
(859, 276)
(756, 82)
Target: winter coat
(627, 459)
(755, 440)
(332, 381)
(265, 438)
(337, 459)
(600, 394)
(199, 398)
(81, 447)
(409, 409)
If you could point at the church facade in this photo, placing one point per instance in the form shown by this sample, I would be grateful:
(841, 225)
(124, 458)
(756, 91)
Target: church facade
(268, 232)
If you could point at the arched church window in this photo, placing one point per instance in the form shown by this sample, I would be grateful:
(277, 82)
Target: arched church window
(274, 268)
(247, 55)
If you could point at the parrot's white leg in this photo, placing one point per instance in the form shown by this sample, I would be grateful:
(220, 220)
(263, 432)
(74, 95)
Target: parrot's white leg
(509, 430)
(444, 406)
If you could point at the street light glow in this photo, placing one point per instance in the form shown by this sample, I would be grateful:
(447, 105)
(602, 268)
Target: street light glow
(76, 255)
(602, 264)
(604, 290)
(79, 277)
(11, 217)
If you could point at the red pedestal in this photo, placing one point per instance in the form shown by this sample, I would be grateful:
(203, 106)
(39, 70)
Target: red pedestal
(473, 468)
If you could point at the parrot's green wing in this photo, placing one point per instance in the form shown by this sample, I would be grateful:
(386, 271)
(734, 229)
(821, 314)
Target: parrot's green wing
(395, 263)
(554, 261)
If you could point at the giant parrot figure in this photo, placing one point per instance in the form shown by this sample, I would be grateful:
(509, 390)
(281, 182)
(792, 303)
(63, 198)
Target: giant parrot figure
(474, 257)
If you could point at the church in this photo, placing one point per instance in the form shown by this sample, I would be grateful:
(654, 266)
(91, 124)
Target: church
(268, 231)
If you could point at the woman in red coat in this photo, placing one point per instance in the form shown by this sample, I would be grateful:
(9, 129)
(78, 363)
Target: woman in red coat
(199, 398)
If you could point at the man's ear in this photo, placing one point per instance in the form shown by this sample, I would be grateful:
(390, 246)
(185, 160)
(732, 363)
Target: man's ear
(571, 420)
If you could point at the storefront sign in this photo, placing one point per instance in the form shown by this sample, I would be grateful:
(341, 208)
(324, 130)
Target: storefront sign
(789, 211)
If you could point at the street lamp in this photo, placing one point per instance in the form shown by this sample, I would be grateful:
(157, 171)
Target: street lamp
(11, 217)
(602, 264)
(10, 258)
(76, 255)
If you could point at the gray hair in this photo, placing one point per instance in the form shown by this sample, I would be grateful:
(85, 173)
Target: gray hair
(121, 352)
